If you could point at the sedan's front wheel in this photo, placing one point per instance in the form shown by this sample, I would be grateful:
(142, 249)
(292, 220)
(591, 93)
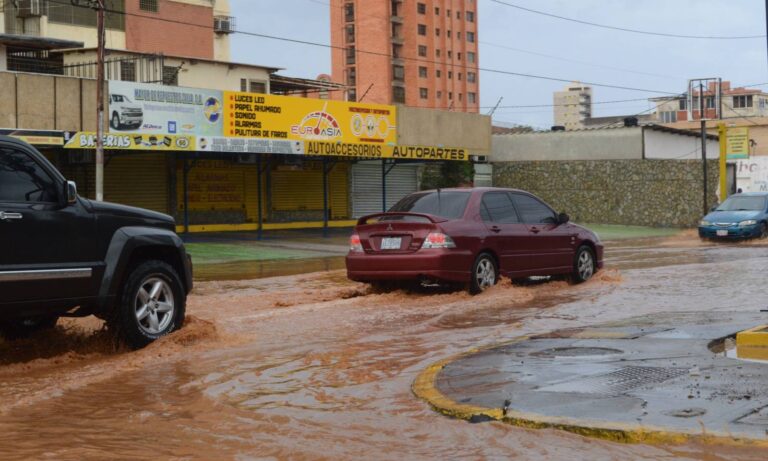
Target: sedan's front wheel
(484, 273)
(584, 265)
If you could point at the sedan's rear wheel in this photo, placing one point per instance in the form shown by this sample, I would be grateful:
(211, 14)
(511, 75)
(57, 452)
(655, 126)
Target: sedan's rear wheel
(484, 273)
(584, 265)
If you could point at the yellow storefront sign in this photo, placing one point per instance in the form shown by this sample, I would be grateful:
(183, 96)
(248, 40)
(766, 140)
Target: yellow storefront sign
(737, 143)
(375, 151)
(251, 115)
(151, 142)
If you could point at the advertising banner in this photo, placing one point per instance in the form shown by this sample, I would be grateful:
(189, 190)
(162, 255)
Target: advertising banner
(752, 174)
(374, 151)
(737, 143)
(250, 115)
(155, 109)
(36, 137)
(169, 142)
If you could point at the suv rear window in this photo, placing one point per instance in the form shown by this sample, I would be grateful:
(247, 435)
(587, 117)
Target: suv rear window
(450, 205)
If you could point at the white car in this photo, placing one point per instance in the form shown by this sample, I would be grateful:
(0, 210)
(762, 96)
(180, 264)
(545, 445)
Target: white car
(124, 112)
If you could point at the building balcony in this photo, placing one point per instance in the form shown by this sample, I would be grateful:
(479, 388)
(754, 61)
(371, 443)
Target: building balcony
(397, 40)
(398, 83)
(398, 61)
(396, 19)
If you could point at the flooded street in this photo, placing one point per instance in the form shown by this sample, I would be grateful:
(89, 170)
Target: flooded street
(316, 367)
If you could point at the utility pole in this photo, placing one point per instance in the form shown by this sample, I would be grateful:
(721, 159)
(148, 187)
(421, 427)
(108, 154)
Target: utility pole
(703, 143)
(98, 5)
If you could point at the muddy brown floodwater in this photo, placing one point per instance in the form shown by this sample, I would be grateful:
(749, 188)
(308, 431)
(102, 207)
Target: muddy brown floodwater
(315, 367)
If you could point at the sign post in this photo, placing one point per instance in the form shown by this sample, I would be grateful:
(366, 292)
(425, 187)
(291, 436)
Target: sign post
(722, 132)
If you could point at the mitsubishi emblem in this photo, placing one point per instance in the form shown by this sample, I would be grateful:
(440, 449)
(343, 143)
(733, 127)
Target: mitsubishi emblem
(389, 227)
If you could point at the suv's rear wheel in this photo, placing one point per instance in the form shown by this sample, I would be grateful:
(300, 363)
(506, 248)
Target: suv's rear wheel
(152, 304)
(116, 121)
(21, 328)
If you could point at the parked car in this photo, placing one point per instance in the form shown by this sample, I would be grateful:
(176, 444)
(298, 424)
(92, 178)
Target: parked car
(124, 112)
(471, 236)
(64, 255)
(740, 216)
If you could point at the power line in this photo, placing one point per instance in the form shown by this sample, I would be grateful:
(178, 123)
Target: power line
(389, 55)
(625, 29)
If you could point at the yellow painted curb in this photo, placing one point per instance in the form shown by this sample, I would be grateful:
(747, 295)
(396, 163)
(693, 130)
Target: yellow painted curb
(425, 388)
(757, 336)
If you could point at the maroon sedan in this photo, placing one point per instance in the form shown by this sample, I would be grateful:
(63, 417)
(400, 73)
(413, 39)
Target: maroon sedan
(471, 236)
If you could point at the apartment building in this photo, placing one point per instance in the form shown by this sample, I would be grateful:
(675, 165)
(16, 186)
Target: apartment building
(193, 28)
(573, 106)
(735, 103)
(420, 53)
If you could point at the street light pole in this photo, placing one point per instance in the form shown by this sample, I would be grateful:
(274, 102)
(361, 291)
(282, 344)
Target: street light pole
(703, 143)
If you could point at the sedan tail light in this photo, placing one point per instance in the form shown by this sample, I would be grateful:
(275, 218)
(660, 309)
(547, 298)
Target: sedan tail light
(354, 244)
(438, 240)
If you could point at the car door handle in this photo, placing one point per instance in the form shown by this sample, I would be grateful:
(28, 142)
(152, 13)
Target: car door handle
(535, 230)
(496, 228)
(5, 216)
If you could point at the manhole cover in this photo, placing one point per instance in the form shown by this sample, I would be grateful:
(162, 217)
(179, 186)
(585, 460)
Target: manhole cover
(686, 412)
(576, 352)
(617, 382)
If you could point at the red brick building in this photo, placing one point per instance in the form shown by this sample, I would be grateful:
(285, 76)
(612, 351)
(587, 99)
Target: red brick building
(421, 53)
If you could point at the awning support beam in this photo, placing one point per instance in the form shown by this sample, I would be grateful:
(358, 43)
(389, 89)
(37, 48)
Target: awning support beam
(187, 166)
(327, 167)
(384, 172)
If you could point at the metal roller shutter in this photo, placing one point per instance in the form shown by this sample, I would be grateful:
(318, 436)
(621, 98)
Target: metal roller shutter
(366, 186)
(139, 180)
(302, 190)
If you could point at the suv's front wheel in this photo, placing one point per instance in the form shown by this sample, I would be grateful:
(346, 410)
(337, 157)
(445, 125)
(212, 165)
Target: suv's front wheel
(152, 304)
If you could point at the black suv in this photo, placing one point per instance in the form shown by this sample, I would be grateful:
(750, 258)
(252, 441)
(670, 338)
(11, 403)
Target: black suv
(63, 255)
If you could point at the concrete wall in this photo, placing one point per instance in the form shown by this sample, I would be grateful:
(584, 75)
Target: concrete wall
(664, 193)
(660, 145)
(442, 128)
(47, 102)
(608, 144)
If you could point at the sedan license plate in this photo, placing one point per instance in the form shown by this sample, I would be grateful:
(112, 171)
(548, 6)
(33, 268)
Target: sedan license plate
(391, 243)
(722, 233)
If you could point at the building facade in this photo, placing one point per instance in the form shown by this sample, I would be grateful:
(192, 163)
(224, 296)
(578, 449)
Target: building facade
(146, 26)
(573, 106)
(735, 103)
(417, 53)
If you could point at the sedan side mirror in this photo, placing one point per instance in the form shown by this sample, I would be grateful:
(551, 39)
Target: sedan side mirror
(563, 218)
(71, 192)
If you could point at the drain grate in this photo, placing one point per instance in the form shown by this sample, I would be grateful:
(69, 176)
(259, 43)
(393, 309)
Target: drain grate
(617, 382)
(576, 352)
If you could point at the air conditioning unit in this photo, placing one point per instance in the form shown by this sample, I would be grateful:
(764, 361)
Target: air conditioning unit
(223, 24)
(80, 157)
(32, 8)
(247, 159)
(479, 158)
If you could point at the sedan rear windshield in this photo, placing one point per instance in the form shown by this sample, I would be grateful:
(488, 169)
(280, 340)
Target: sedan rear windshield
(743, 203)
(450, 205)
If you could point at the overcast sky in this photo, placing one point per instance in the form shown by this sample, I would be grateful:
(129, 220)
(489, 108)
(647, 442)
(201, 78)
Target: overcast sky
(522, 42)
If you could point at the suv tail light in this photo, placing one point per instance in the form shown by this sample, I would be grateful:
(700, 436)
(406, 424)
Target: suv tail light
(438, 240)
(354, 244)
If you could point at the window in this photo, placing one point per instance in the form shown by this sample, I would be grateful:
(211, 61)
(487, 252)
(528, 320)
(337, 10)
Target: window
(532, 211)
(398, 94)
(23, 180)
(470, 15)
(447, 204)
(423, 93)
(439, 95)
(352, 95)
(398, 72)
(448, 34)
(450, 74)
(458, 75)
(742, 101)
(397, 51)
(437, 53)
(128, 71)
(458, 15)
(350, 33)
(438, 73)
(471, 37)
(422, 29)
(148, 5)
(252, 86)
(437, 11)
(64, 13)
(450, 54)
(709, 102)
(423, 50)
(471, 77)
(349, 12)
(497, 207)
(350, 55)
(450, 95)
(458, 56)
(421, 8)
(461, 96)
(668, 117)
(437, 32)
(683, 104)
(448, 13)
(458, 35)
(351, 76)
(471, 98)
(422, 72)
(170, 75)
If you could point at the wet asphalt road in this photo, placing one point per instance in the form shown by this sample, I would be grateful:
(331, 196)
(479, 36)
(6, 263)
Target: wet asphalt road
(315, 367)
